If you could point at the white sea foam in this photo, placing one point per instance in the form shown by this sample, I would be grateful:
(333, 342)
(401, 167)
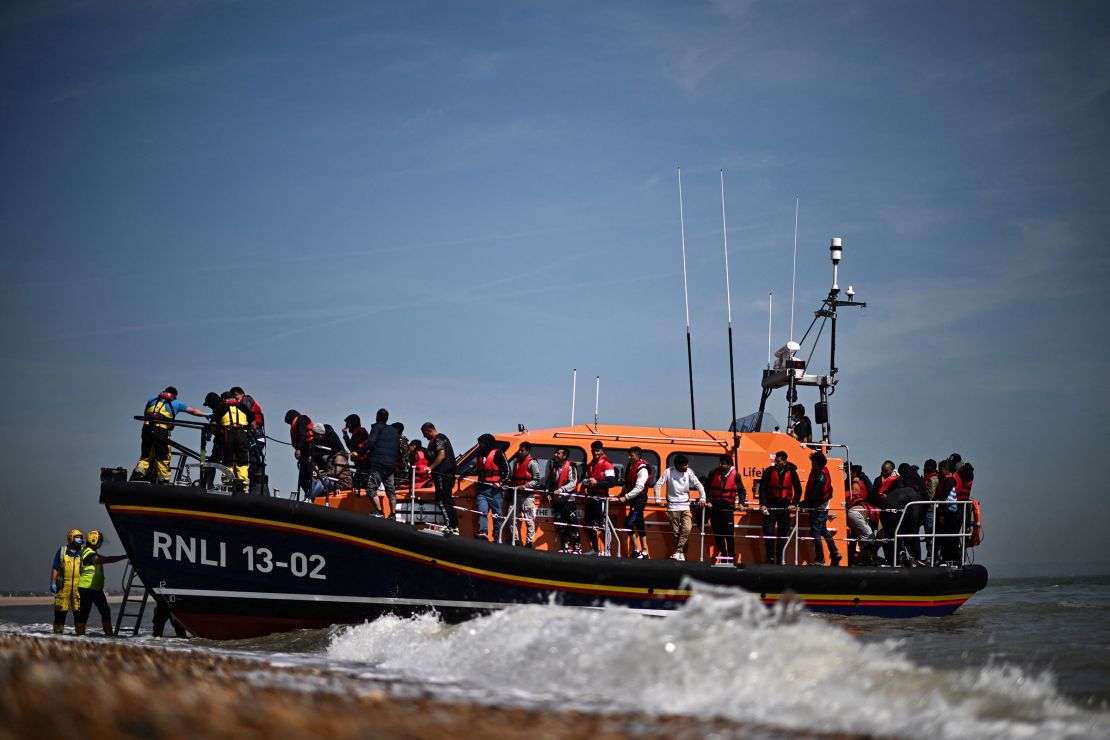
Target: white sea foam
(722, 655)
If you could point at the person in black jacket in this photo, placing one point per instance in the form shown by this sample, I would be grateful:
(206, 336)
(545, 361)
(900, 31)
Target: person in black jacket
(384, 443)
(357, 440)
(441, 466)
(779, 487)
(301, 437)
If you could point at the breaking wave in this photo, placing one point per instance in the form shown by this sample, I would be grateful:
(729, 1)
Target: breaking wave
(722, 655)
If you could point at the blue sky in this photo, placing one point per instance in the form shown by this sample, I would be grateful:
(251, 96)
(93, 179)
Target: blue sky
(443, 208)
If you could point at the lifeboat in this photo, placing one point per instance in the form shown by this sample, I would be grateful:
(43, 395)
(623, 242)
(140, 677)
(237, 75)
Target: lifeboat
(235, 566)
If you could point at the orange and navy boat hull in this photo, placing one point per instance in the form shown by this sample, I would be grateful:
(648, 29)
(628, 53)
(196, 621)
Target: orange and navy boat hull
(243, 566)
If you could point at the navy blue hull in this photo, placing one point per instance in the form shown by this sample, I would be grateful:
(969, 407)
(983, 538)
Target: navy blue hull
(232, 567)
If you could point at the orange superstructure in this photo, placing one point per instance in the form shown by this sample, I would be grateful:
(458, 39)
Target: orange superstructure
(660, 445)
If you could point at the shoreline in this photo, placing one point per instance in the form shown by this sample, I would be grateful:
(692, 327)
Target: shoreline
(45, 600)
(108, 688)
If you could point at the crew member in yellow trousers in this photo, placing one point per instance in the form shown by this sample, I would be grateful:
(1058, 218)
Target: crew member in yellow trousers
(160, 410)
(234, 422)
(64, 577)
(90, 587)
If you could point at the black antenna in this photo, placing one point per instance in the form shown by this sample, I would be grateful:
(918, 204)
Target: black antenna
(728, 300)
(686, 295)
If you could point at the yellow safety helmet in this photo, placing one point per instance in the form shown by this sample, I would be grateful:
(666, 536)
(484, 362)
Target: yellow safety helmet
(94, 539)
(72, 536)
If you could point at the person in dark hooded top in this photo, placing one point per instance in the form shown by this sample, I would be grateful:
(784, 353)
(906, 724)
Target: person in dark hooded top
(301, 437)
(491, 469)
(895, 511)
(212, 402)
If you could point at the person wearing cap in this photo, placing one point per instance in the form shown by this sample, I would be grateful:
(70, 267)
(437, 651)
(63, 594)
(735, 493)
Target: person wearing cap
(213, 403)
(90, 586)
(357, 440)
(818, 494)
(154, 455)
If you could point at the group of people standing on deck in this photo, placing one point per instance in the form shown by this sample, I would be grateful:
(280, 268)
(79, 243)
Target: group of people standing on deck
(373, 459)
(879, 511)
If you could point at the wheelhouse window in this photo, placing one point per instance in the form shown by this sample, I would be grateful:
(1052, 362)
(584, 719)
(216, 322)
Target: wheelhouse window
(619, 458)
(469, 462)
(700, 462)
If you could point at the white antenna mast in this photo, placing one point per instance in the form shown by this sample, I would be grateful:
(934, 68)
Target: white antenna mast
(597, 401)
(769, 306)
(794, 270)
(573, 391)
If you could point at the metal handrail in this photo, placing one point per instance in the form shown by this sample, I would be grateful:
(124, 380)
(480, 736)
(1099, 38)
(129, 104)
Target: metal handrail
(963, 535)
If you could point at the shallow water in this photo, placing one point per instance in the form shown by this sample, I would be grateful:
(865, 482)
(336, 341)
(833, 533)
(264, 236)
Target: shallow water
(1027, 657)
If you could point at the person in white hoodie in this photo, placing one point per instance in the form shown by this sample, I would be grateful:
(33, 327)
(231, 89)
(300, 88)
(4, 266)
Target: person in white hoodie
(679, 480)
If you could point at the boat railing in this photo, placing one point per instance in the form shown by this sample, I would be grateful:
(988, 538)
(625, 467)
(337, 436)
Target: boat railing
(963, 532)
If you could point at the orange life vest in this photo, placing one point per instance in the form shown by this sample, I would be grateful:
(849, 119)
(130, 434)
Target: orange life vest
(963, 488)
(563, 477)
(631, 473)
(309, 434)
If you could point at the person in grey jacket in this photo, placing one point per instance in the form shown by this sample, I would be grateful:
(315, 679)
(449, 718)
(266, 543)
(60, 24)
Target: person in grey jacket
(383, 445)
(524, 476)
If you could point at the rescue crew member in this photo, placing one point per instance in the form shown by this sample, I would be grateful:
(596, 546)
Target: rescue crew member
(801, 428)
(301, 436)
(637, 481)
(817, 496)
(680, 481)
(442, 470)
(256, 441)
(561, 482)
(64, 578)
(524, 476)
(234, 424)
(724, 488)
(155, 448)
(357, 440)
(491, 469)
(779, 487)
(384, 444)
(600, 477)
(90, 587)
(418, 459)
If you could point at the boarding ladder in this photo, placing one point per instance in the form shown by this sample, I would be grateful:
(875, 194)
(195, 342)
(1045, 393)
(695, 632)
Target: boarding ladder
(131, 582)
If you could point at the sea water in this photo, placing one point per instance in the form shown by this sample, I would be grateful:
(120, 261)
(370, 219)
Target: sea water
(1025, 658)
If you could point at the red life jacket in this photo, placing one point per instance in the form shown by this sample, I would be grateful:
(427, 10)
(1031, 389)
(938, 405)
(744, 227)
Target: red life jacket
(816, 498)
(885, 484)
(563, 477)
(488, 472)
(597, 471)
(778, 486)
(723, 489)
(963, 488)
(521, 475)
(309, 434)
(630, 474)
(420, 465)
(857, 495)
(251, 407)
